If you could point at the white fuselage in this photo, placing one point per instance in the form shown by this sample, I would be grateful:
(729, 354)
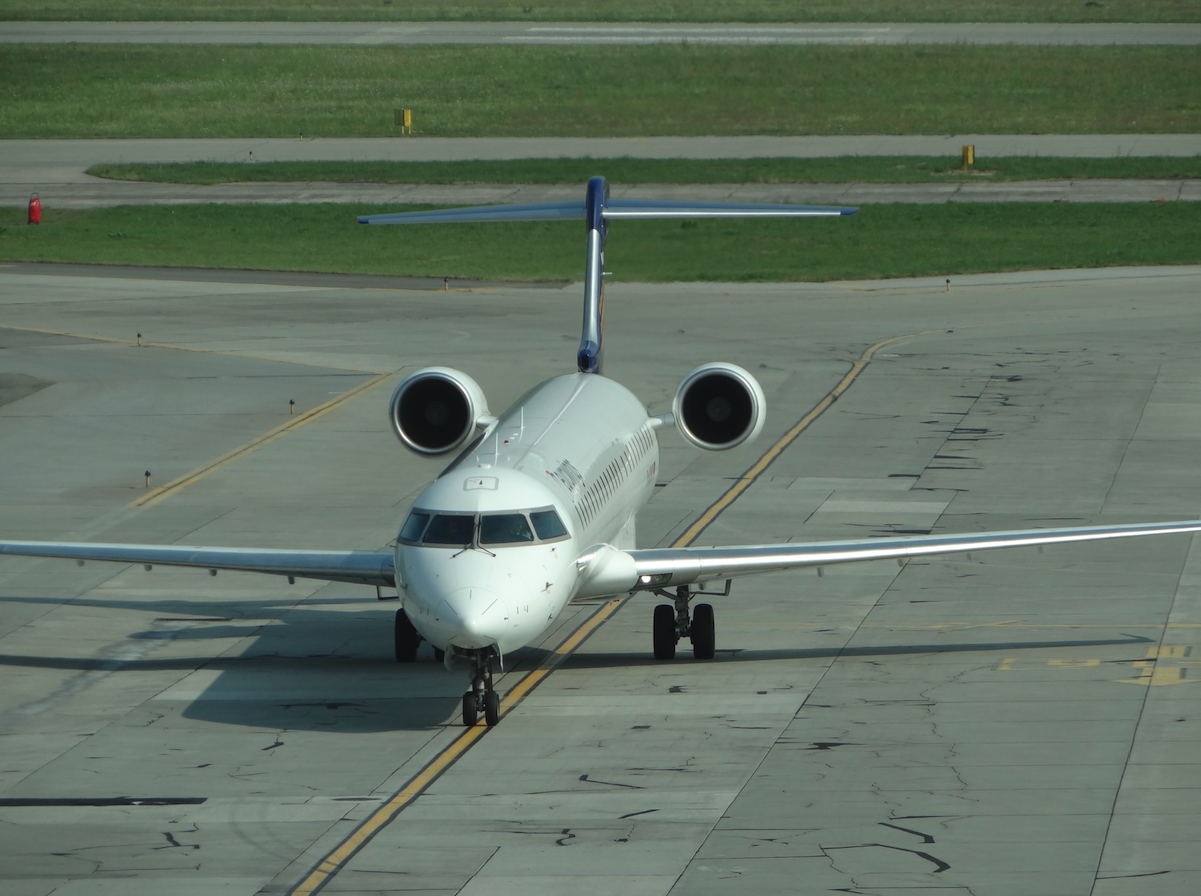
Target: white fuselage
(581, 445)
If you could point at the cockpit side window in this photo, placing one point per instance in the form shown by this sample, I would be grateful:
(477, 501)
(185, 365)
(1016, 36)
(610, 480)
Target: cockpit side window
(547, 524)
(505, 528)
(451, 529)
(414, 526)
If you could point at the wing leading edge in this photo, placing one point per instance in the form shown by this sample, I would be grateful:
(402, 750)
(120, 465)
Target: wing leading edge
(613, 208)
(357, 567)
(665, 567)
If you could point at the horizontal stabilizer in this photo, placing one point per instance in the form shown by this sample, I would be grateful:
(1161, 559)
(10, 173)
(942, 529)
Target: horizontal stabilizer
(653, 208)
(614, 208)
(538, 211)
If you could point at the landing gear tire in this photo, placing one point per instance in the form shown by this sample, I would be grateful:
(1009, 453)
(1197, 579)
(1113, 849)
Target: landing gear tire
(704, 634)
(439, 654)
(481, 697)
(665, 632)
(407, 638)
(471, 713)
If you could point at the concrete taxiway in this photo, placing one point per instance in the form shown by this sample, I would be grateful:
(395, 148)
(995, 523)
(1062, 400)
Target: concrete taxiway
(1018, 722)
(598, 33)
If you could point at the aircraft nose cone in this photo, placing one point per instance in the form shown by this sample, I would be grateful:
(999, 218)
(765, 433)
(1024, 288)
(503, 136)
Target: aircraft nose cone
(480, 617)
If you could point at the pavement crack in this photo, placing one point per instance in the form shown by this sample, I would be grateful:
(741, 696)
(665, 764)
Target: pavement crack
(633, 814)
(927, 838)
(172, 843)
(588, 780)
(940, 865)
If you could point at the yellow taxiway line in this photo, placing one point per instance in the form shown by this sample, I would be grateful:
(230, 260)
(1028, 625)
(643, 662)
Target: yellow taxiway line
(747, 479)
(155, 495)
(379, 819)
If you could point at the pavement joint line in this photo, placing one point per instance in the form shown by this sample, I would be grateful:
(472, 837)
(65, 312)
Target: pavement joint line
(185, 348)
(747, 479)
(335, 860)
(154, 496)
(958, 626)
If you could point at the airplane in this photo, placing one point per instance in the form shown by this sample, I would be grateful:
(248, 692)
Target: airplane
(539, 506)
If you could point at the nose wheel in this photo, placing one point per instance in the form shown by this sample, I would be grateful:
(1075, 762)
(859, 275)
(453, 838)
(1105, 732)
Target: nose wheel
(482, 698)
(672, 622)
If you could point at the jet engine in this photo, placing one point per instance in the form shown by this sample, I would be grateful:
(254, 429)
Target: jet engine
(436, 409)
(719, 406)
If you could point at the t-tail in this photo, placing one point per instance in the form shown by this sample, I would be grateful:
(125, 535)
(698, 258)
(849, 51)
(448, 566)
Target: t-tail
(597, 209)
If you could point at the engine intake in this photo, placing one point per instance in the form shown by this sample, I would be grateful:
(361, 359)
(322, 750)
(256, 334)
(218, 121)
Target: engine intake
(436, 409)
(719, 406)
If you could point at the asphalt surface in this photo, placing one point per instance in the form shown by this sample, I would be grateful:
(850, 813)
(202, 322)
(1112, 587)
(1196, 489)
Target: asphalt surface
(45, 162)
(1019, 723)
(110, 193)
(593, 33)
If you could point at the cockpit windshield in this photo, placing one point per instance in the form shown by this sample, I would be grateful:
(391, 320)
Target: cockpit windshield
(547, 524)
(505, 528)
(451, 528)
(464, 529)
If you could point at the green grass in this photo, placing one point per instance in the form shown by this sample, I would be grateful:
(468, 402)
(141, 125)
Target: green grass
(263, 91)
(610, 10)
(843, 169)
(881, 241)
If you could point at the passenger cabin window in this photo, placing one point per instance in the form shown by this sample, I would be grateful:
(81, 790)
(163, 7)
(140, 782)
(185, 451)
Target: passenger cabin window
(451, 529)
(504, 528)
(414, 526)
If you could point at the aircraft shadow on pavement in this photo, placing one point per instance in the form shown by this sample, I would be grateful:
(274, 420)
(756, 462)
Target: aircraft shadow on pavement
(740, 654)
(336, 671)
(305, 668)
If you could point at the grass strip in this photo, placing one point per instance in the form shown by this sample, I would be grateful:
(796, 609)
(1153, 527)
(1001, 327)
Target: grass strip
(262, 91)
(843, 169)
(607, 10)
(880, 241)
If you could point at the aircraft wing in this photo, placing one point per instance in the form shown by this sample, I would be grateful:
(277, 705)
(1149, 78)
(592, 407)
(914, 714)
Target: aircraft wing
(358, 567)
(666, 567)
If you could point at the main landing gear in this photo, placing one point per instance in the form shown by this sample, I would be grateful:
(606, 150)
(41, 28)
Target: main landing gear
(672, 624)
(481, 698)
(408, 639)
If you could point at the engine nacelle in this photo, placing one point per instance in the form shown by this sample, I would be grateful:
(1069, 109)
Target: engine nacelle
(719, 406)
(436, 409)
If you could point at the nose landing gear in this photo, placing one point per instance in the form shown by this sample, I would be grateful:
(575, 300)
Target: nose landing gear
(482, 698)
(673, 623)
